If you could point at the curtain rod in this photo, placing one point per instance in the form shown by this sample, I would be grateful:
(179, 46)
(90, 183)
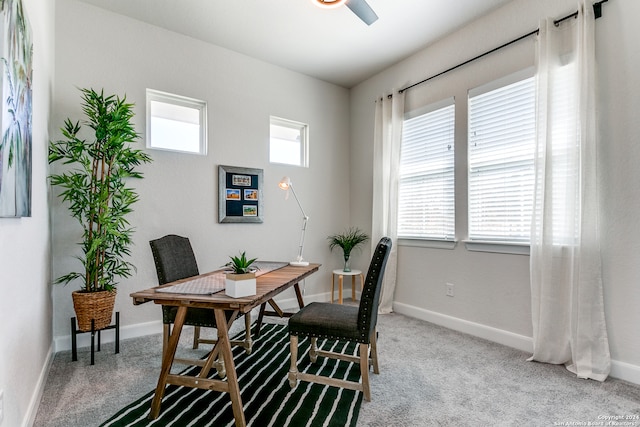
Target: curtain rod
(597, 9)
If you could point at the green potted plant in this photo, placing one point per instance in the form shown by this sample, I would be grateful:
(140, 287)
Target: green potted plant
(94, 185)
(348, 241)
(240, 278)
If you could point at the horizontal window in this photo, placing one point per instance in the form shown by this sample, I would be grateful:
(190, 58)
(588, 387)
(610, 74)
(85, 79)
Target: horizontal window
(176, 123)
(289, 142)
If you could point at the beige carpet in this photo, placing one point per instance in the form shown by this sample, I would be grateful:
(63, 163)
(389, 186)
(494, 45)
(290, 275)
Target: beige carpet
(429, 376)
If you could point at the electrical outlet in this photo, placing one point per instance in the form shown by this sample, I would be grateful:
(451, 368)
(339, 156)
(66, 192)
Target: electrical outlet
(1, 405)
(450, 289)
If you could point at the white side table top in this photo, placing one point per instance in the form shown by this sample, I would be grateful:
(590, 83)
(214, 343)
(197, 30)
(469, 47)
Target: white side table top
(347, 273)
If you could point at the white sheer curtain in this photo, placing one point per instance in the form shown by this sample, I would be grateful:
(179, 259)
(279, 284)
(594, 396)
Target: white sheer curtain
(566, 280)
(386, 160)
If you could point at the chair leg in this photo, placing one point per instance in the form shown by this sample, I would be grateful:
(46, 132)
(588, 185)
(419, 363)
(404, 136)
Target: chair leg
(313, 351)
(196, 337)
(293, 369)
(247, 333)
(219, 365)
(364, 371)
(374, 352)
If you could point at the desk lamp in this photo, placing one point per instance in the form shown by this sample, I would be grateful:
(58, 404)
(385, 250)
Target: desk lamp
(285, 184)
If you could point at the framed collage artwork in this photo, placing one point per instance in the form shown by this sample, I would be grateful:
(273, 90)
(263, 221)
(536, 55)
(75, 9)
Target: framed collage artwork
(240, 194)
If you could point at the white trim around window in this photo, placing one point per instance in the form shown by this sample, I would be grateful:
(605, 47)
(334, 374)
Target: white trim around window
(288, 142)
(176, 123)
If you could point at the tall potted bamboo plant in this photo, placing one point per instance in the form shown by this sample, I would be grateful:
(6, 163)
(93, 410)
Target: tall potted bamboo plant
(94, 186)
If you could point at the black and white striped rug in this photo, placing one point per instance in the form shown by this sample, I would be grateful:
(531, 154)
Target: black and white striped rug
(267, 398)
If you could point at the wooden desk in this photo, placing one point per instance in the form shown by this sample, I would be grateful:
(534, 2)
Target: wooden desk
(267, 286)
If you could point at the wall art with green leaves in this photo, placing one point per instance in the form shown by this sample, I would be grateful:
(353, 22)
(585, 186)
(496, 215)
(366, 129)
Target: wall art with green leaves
(16, 53)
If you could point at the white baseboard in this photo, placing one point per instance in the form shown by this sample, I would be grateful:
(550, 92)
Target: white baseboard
(489, 333)
(34, 404)
(292, 303)
(620, 370)
(63, 343)
(625, 371)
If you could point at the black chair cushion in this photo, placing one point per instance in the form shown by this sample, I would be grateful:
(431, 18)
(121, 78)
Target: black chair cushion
(350, 323)
(325, 320)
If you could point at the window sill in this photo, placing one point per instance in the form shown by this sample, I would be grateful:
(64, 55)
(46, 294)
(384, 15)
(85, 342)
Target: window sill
(511, 248)
(423, 243)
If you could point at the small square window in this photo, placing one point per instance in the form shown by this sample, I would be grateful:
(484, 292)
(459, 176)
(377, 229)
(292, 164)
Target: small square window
(176, 123)
(289, 142)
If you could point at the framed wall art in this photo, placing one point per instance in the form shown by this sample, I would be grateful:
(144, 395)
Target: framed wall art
(240, 194)
(16, 52)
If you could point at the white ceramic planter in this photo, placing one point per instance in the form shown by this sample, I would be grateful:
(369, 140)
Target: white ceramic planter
(240, 285)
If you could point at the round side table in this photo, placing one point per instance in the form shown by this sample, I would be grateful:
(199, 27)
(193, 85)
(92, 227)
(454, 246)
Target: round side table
(341, 274)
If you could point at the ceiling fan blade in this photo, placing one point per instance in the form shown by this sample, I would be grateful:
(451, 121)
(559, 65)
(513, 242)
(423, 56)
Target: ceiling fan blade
(363, 10)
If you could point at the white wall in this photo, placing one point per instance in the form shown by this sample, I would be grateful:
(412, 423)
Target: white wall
(25, 331)
(492, 290)
(99, 49)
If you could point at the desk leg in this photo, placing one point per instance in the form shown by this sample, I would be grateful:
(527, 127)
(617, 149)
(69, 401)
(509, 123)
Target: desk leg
(275, 307)
(167, 361)
(212, 359)
(299, 295)
(277, 310)
(232, 378)
(260, 317)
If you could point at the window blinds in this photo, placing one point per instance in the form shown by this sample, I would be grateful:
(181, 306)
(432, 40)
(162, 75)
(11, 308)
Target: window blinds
(501, 152)
(426, 186)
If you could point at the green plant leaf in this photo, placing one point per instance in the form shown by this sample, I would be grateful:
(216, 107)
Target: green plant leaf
(95, 186)
(348, 240)
(241, 264)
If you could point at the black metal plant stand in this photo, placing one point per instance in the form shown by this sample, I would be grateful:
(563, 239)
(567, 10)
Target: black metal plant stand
(75, 331)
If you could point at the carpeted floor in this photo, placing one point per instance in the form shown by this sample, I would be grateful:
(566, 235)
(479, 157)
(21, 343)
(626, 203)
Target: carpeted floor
(429, 376)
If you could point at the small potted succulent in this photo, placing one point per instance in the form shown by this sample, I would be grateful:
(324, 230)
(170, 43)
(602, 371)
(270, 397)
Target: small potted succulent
(348, 241)
(240, 276)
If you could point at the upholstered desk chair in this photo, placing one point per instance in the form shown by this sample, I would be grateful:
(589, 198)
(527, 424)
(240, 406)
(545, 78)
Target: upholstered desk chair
(174, 260)
(343, 322)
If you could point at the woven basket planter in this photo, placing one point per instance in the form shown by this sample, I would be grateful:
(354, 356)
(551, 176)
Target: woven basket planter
(93, 305)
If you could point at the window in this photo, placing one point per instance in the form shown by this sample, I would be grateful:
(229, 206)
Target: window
(289, 142)
(501, 153)
(176, 123)
(426, 187)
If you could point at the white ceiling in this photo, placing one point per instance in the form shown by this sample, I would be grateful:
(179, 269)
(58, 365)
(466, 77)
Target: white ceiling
(329, 44)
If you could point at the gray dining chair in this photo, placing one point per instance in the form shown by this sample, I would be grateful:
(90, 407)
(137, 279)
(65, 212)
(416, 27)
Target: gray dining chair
(346, 323)
(174, 260)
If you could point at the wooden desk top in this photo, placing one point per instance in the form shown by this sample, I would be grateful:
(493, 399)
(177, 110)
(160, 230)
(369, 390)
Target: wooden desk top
(267, 286)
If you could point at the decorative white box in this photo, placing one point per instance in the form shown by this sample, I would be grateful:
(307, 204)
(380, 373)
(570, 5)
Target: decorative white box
(240, 285)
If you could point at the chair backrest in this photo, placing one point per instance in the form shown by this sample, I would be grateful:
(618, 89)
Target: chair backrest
(368, 311)
(174, 258)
